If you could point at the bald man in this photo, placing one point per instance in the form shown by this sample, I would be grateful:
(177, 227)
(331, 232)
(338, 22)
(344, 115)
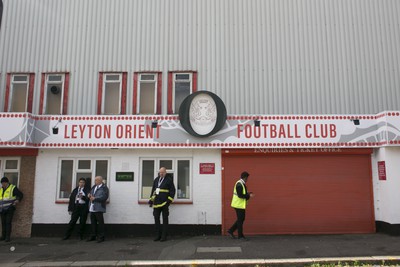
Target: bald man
(162, 195)
(98, 197)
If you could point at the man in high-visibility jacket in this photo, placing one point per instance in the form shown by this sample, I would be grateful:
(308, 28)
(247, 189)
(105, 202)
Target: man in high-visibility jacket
(10, 196)
(162, 194)
(239, 202)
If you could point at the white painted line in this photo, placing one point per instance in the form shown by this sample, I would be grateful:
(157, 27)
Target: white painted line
(219, 249)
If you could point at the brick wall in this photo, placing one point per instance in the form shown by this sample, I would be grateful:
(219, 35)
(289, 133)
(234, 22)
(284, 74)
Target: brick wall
(22, 221)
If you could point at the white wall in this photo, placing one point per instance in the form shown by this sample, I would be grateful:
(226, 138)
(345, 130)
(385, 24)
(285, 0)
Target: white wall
(123, 207)
(387, 192)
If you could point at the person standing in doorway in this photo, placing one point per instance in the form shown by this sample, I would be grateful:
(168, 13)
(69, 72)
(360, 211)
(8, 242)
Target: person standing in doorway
(78, 209)
(98, 197)
(10, 196)
(162, 195)
(239, 202)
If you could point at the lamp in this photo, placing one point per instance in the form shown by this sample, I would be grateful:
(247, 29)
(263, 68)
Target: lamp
(154, 124)
(257, 123)
(356, 121)
(55, 127)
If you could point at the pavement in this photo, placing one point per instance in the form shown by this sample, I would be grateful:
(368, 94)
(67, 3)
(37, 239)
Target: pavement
(269, 250)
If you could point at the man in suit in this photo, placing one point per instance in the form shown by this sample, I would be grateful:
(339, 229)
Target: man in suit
(78, 209)
(98, 197)
(162, 194)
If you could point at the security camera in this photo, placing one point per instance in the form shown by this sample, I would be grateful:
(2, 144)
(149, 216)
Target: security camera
(54, 90)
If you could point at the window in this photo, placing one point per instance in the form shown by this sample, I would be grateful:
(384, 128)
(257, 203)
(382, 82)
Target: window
(181, 84)
(179, 168)
(71, 170)
(147, 93)
(19, 92)
(54, 93)
(112, 93)
(10, 167)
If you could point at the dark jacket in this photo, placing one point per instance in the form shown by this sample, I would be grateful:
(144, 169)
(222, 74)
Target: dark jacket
(167, 192)
(72, 198)
(239, 191)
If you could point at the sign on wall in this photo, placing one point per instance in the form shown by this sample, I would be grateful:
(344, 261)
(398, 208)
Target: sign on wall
(207, 168)
(253, 131)
(382, 170)
(124, 176)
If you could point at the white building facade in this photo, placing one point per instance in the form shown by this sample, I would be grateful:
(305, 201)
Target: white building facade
(320, 77)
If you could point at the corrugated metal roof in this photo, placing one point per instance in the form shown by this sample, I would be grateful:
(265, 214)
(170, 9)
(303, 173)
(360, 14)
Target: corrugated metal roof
(259, 56)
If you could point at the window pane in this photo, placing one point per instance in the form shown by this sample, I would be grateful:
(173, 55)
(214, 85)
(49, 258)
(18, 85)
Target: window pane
(111, 98)
(20, 78)
(182, 76)
(53, 99)
(166, 163)
(147, 77)
(147, 98)
(102, 169)
(147, 178)
(12, 176)
(66, 178)
(12, 164)
(55, 78)
(18, 99)
(184, 179)
(182, 90)
(112, 77)
(84, 164)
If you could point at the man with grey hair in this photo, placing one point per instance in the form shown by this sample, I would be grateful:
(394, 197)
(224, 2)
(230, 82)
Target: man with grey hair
(162, 195)
(98, 197)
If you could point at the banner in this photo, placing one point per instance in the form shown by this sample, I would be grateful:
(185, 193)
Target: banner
(130, 131)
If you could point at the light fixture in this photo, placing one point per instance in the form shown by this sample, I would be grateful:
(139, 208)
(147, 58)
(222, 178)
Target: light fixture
(55, 127)
(154, 124)
(356, 121)
(257, 123)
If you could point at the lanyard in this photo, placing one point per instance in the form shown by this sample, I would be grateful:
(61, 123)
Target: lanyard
(160, 181)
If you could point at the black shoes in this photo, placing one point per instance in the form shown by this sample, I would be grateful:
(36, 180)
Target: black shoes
(65, 237)
(231, 234)
(163, 239)
(92, 238)
(243, 238)
(100, 240)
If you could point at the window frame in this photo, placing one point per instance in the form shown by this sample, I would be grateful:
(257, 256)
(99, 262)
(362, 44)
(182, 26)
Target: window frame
(75, 170)
(122, 92)
(64, 92)
(174, 170)
(3, 167)
(10, 88)
(136, 91)
(171, 88)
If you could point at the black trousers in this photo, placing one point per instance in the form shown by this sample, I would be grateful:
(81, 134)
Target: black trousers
(241, 216)
(161, 232)
(80, 212)
(97, 222)
(6, 220)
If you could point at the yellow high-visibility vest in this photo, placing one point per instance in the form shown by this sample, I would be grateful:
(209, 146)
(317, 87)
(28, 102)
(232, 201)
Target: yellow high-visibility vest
(237, 202)
(7, 199)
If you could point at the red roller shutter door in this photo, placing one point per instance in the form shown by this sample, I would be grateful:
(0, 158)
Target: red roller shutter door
(302, 193)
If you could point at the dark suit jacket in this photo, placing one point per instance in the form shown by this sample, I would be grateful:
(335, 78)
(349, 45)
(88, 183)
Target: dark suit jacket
(72, 198)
